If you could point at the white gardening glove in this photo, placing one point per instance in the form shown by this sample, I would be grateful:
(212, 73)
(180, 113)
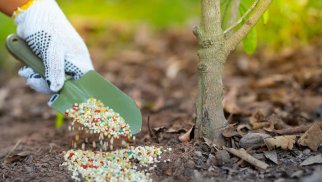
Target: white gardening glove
(49, 34)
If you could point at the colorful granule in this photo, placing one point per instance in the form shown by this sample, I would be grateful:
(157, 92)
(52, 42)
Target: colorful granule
(97, 118)
(119, 165)
(129, 164)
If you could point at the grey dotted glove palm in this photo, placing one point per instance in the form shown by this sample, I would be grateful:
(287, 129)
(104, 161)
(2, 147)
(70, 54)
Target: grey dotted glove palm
(51, 37)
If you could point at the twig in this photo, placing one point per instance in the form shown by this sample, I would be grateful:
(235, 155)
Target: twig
(13, 148)
(241, 18)
(151, 133)
(254, 16)
(241, 153)
(293, 130)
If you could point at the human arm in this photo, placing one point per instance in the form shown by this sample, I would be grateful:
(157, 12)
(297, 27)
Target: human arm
(49, 34)
(9, 6)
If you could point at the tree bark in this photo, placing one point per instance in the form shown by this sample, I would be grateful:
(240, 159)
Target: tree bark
(210, 116)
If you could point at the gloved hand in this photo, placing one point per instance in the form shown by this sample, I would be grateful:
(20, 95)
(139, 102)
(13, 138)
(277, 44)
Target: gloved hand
(49, 34)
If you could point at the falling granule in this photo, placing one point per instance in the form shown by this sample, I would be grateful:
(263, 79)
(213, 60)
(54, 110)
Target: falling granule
(97, 118)
(119, 165)
(93, 118)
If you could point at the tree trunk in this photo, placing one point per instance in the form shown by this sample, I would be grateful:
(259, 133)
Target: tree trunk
(210, 115)
(214, 48)
(212, 56)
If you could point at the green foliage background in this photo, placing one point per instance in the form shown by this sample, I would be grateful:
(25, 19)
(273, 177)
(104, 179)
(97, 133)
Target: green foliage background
(296, 22)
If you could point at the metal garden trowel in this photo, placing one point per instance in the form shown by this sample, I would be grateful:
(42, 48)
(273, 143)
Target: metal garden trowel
(92, 84)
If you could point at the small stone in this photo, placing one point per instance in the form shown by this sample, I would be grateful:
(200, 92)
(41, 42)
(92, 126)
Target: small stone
(306, 151)
(211, 160)
(222, 157)
(253, 140)
(259, 156)
(211, 169)
(190, 164)
(297, 174)
(198, 153)
(315, 177)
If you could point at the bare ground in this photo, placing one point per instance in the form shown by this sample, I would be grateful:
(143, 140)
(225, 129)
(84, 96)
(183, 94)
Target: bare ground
(159, 71)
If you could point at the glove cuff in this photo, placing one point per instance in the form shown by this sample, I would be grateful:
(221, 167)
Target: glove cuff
(23, 8)
(36, 9)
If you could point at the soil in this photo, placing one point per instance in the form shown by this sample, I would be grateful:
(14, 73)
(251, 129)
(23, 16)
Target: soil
(158, 69)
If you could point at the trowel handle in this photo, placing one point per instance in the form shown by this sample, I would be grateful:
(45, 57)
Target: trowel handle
(21, 51)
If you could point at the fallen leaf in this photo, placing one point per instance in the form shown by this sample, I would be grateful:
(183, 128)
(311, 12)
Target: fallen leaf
(159, 129)
(230, 101)
(17, 157)
(285, 142)
(271, 81)
(310, 103)
(187, 136)
(312, 138)
(173, 68)
(275, 122)
(271, 155)
(175, 130)
(312, 160)
(230, 131)
(258, 120)
(253, 140)
(243, 129)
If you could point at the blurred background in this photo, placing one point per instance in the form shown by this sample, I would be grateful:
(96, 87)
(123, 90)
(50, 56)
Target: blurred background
(287, 24)
(147, 49)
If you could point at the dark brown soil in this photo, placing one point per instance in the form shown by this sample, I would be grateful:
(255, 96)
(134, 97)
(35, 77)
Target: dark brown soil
(159, 71)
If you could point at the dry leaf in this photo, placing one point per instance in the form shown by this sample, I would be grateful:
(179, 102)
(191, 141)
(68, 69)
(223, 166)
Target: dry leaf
(242, 129)
(312, 138)
(230, 101)
(285, 142)
(271, 155)
(230, 131)
(186, 137)
(159, 129)
(270, 81)
(312, 160)
(257, 120)
(17, 157)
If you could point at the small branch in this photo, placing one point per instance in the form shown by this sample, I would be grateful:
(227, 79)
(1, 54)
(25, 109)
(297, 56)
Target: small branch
(196, 31)
(257, 12)
(234, 10)
(293, 130)
(241, 153)
(13, 148)
(233, 25)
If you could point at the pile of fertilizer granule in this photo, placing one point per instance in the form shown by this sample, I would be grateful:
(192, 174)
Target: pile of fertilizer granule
(127, 164)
